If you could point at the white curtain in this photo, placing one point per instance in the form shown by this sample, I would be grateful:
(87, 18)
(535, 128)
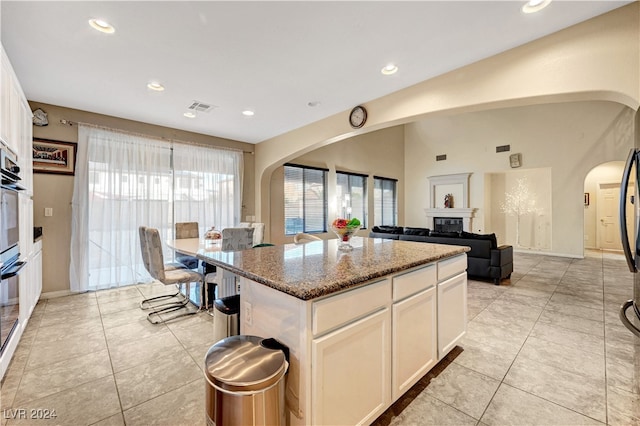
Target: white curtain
(208, 187)
(124, 181)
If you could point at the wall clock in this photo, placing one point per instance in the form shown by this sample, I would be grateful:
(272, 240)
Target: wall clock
(358, 117)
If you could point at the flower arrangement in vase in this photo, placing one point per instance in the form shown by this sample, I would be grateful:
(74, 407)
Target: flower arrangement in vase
(345, 229)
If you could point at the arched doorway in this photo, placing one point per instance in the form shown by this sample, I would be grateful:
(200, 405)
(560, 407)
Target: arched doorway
(602, 200)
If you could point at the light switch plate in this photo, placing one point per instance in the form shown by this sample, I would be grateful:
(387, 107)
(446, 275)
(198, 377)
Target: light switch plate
(48, 211)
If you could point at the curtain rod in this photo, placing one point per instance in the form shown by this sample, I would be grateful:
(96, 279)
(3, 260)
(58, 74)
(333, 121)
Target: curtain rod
(66, 122)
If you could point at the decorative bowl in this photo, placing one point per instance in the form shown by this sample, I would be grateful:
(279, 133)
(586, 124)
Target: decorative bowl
(345, 229)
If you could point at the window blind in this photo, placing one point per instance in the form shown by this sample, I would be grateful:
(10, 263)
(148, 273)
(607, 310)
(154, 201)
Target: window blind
(351, 190)
(305, 200)
(385, 201)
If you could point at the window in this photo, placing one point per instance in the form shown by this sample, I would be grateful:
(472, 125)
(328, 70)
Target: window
(129, 181)
(384, 201)
(305, 199)
(352, 196)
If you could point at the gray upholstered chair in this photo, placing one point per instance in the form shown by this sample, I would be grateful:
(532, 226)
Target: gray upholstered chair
(168, 277)
(258, 233)
(187, 230)
(234, 239)
(301, 238)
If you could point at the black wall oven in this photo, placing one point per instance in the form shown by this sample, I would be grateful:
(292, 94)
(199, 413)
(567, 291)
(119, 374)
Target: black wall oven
(10, 265)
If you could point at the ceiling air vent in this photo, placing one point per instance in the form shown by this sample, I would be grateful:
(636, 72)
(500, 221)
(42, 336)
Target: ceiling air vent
(200, 106)
(441, 157)
(503, 148)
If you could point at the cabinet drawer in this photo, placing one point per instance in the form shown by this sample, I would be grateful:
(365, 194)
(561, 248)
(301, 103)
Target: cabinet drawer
(450, 267)
(413, 282)
(335, 311)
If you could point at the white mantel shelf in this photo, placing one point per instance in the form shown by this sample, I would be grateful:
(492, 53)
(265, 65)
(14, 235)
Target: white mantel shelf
(465, 213)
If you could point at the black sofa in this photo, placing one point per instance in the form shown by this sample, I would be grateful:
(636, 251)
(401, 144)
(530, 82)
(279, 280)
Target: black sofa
(485, 259)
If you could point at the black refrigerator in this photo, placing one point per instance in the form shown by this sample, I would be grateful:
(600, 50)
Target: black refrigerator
(630, 310)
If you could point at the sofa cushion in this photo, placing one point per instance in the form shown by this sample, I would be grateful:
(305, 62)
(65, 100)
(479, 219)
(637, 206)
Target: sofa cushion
(388, 229)
(423, 232)
(489, 237)
(445, 234)
(411, 237)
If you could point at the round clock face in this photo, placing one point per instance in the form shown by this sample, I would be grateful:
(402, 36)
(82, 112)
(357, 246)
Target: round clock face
(358, 117)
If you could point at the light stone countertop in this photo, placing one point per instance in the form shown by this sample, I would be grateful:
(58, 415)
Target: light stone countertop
(318, 268)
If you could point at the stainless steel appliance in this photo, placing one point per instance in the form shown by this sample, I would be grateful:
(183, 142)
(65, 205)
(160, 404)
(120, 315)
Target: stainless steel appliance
(10, 265)
(630, 310)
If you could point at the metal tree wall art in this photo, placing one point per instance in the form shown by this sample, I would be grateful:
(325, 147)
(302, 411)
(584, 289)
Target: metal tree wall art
(518, 202)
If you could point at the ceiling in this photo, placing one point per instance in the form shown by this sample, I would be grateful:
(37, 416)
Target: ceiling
(271, 57)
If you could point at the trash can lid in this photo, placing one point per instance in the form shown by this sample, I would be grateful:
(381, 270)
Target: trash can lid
(241, 363)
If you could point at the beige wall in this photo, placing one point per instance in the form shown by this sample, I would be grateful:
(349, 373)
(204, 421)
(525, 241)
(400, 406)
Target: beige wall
(55, 191)
(569, 138)
(379, 153)
(596, 60)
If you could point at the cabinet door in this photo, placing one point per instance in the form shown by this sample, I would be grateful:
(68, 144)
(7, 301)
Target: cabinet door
(351, 372)
(414, 346)
(36, 261)
(452, 313)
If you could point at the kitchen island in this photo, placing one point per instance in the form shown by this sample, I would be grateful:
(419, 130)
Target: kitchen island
(362, 326)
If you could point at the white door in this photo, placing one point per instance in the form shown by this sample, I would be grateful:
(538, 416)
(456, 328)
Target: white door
(608, 224)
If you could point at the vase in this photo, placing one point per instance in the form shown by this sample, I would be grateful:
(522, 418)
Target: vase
(344, 236)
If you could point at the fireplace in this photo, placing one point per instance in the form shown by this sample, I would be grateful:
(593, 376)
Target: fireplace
(452, 216)
(447, 224)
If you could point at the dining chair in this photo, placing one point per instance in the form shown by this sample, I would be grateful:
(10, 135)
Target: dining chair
(187, 230)
(168, 277)
(301, 238)
(258, 233)
(233, 239)
(144, 251)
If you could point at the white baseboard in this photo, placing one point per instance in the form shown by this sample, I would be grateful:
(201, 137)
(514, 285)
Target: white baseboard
(54, 294)
(548, 253)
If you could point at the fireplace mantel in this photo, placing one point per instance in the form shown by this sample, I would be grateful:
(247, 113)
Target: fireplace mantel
(465, 213)
(458, 185)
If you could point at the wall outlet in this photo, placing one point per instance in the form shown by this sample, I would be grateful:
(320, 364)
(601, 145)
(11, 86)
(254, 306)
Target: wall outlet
(247, 313)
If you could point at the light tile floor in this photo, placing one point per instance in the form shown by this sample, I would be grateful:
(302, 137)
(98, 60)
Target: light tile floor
(546, 348)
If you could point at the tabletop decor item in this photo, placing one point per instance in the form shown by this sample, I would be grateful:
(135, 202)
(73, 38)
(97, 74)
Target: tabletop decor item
(212, 234)
(345, 229)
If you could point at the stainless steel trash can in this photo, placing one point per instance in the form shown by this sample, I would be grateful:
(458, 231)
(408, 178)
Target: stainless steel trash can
(245, 382)
(226, 317)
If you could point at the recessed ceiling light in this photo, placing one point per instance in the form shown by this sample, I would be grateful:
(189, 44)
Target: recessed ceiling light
(190, 114)
(389, 69)
(533, 6)
(248, 113)
(102, 26)
(154, 85)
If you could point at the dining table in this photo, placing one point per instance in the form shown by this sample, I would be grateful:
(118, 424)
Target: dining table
(226, 281)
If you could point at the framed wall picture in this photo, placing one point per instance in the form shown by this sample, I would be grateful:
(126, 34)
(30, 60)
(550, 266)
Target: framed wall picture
(54, 157)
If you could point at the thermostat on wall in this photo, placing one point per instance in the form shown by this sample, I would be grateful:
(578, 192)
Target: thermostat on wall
(515, 160)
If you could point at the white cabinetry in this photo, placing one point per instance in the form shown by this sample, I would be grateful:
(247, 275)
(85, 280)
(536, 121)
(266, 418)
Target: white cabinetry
(355, 352)
(31, 282)
(15, 120)
(16, 134)
(414, 322)
(353, 360)
(452, 303)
